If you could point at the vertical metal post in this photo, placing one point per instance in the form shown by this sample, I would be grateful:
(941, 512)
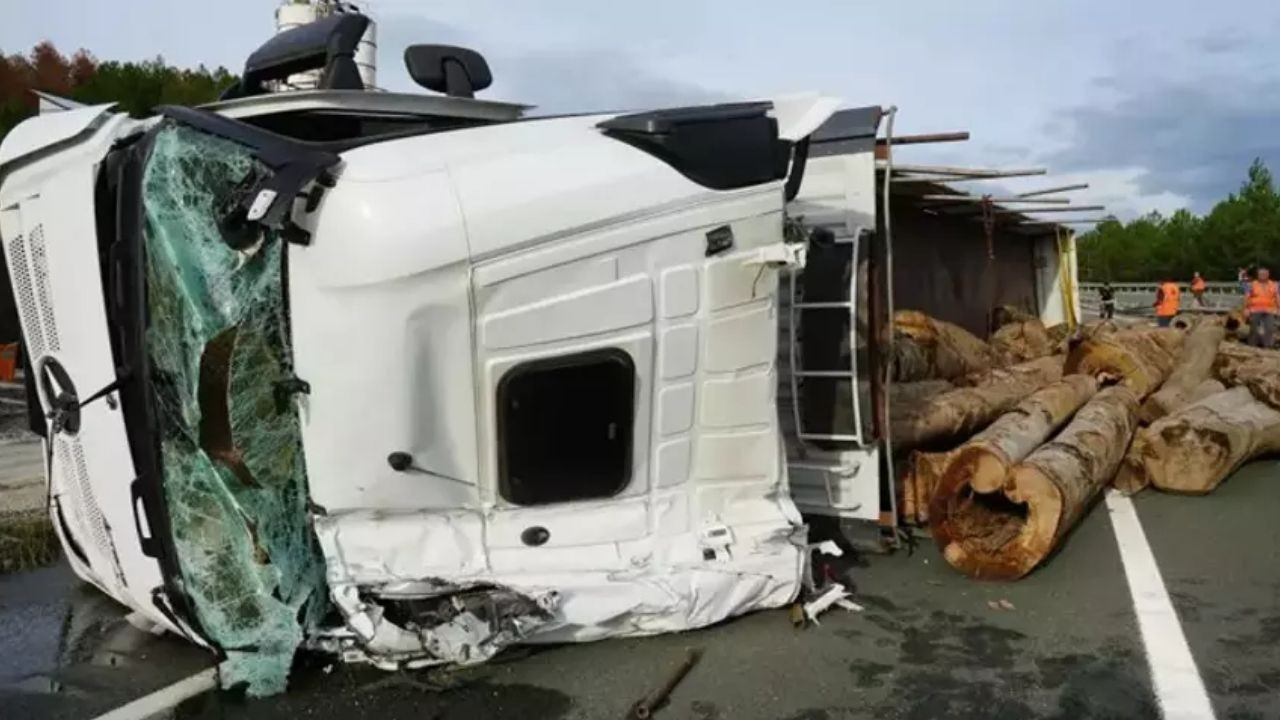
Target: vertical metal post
(888, 245)
(793, 316)
(853, 337)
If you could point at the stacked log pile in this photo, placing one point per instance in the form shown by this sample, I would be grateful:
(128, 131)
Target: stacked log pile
(1004, 464)
(965, 410)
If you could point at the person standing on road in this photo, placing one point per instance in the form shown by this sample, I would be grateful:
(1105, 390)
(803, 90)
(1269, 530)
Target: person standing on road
(1197, 288)
(1108, 301)
(1261, 304)
(1167, 302)
(1243, 278)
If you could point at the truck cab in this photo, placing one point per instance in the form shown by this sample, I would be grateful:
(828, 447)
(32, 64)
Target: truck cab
(411, 378)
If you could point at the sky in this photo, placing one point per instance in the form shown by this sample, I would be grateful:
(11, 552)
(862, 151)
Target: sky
(1157, 104)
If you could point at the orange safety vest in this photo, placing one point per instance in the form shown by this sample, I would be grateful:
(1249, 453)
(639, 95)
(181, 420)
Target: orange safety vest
(1197, 284)
(1262, 297)
(1168, 305)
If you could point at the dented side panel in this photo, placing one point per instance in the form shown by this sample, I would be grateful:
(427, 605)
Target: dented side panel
(702, 529)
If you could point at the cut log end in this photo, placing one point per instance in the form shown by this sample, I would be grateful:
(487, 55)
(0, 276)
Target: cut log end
(1004, 534)
(1181, 456)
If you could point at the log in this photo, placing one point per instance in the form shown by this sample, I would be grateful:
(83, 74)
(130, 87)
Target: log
(1044, 370)
(983, 462)
(1058, 336)
(1141, 359)
(927, 348)
(1006, 533)
(1237, 325)
(966, 410)
(920, 477)
(1194, 449)
(1193, 366)
(1132, 478)
(1021, 341)
(1008, 314)
(1254, 368)
(908, 394)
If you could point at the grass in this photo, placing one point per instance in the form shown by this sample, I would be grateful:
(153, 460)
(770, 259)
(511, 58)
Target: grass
(27, 541)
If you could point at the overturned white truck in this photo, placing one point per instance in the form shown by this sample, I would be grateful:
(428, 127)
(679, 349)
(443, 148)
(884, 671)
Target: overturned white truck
(410, 378)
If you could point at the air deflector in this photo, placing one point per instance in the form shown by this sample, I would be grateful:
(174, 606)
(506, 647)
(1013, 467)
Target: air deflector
(722, 147)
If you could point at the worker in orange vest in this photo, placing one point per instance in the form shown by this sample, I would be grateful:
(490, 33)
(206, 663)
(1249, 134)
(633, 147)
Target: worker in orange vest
(1261, 306)
(1197, 288)
(1167, 302)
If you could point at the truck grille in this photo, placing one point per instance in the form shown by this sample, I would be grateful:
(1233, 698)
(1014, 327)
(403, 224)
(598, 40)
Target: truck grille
(40, 273)
(29, 268)
(20, 272)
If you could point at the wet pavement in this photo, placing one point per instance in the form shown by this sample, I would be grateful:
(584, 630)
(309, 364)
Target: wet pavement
(928, 644)
(1220, 558)
(70, 653)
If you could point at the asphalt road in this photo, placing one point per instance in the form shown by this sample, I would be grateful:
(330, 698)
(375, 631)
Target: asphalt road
(928, 644)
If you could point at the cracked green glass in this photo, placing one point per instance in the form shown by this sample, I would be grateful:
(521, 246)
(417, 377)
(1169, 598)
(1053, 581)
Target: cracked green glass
(231, 451)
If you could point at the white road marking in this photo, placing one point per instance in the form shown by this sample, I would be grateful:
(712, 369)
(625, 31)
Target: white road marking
(1178, 686)
(165, 698)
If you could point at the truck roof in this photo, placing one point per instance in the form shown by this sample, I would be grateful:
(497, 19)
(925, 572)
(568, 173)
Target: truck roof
(366, 102)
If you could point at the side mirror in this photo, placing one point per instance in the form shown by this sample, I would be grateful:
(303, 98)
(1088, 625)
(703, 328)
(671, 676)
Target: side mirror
(454, 71)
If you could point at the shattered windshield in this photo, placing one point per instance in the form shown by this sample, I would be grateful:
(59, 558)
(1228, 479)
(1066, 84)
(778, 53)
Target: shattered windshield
(233, 472)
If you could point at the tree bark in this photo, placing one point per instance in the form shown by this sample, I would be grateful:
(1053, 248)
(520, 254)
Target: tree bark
(908, 394)
(1021, 341)
(1194, 449)
(1006, 314)
(919, 479)
(1193, 366)
(1254, 368)
(1132, 477)
(1043, 370)
(1006, 533)
(982, 463)
(1059, 335)
(966, 410)
(927, 348)
(1140, 359)
(1237, 325)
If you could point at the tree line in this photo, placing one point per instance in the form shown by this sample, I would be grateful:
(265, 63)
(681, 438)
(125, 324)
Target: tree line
(136, 86)
(1242, 230)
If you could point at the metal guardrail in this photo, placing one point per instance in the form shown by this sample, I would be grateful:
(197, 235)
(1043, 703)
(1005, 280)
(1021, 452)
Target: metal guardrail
(1137, 298)
(1213, 288)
